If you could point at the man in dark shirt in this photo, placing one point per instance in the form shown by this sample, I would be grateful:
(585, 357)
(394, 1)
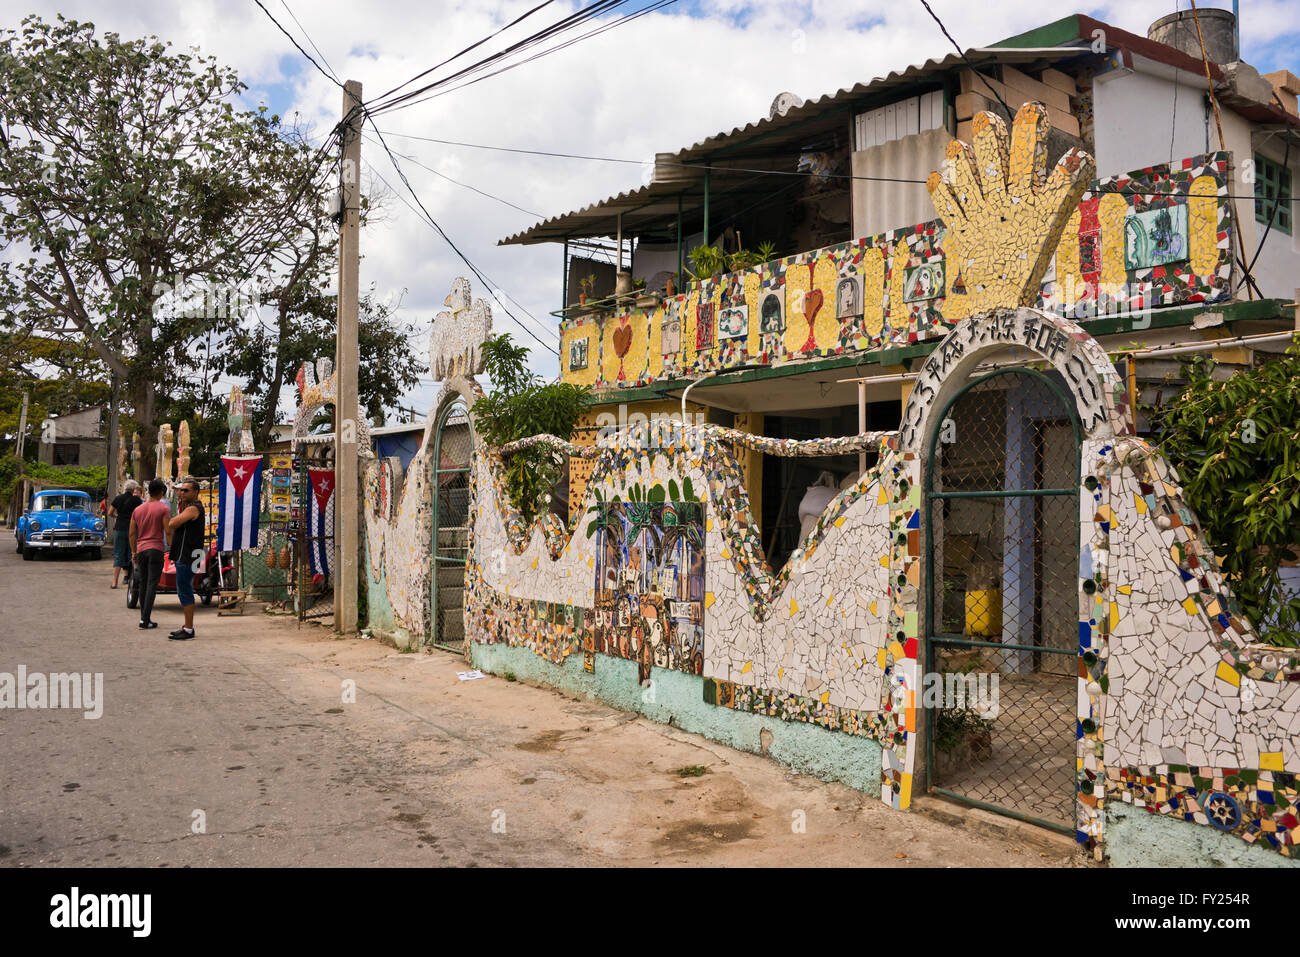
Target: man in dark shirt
(188, 555)
(122, 508)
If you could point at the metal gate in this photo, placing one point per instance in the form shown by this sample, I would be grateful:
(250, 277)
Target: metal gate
(453, 446)
(1002, 500)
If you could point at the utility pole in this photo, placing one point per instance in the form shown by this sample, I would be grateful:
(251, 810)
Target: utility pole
(22, 430)
(112, 438)
(347, 500)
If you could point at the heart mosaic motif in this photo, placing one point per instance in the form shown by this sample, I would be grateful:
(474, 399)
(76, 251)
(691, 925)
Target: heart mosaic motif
(622, 340)
(812, 304)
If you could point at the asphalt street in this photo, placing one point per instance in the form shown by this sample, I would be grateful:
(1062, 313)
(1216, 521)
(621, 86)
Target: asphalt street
(239, 748)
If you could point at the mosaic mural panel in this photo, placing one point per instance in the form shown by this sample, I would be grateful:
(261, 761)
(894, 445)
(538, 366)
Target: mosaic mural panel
(899, 287)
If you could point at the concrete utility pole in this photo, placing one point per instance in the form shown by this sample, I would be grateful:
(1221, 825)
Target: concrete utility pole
(22, 430)
(347, 501)
(115, 394)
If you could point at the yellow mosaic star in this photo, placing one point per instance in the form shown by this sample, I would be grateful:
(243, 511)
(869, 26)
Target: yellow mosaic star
(1003, 214)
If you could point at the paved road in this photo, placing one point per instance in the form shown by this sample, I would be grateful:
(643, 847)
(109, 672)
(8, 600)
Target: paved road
(246, 724)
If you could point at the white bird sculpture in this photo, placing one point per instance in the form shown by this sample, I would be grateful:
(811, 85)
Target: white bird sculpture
(458, 335)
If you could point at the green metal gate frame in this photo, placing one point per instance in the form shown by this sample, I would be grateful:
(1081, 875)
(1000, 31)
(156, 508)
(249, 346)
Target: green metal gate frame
(933, 639)
(454, 405)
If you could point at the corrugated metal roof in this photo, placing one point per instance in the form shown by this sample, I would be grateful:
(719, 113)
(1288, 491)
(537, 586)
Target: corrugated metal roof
(599, 216)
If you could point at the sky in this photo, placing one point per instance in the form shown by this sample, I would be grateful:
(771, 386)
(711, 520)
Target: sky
(659, 83)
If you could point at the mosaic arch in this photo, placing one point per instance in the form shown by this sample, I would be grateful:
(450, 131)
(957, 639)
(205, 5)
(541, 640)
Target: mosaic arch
(399, 521)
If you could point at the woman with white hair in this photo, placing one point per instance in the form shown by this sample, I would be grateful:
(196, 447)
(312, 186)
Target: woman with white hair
(122, 507)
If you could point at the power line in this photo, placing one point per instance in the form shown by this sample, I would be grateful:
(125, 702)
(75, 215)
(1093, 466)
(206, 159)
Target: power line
(472, 46)
(424, 334)
(298, 45)
(562, 26)
(327, 63)
(475, 189)
(487, 284)
(591, 33)
(962, 53)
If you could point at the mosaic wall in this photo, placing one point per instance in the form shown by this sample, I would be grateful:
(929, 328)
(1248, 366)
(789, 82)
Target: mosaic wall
(1154, 237)
(1178, 708)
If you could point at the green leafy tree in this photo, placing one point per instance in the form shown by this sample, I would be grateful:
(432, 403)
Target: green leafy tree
(127, 182)
(522, 405)
(1236, 443)
(269, 357)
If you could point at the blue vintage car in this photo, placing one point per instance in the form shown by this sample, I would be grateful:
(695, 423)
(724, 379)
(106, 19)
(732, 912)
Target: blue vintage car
(59, 520)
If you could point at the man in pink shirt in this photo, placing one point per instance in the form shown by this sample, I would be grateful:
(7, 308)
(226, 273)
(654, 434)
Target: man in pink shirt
(148, 544)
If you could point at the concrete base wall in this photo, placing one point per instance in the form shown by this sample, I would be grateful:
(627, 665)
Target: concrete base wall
(677, 699)
(1136, 837)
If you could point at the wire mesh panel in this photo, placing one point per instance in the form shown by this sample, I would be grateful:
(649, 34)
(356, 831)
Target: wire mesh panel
(1002, 492)
(453, 450)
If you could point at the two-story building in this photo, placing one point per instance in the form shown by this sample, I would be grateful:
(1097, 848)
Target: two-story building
(1187, 236)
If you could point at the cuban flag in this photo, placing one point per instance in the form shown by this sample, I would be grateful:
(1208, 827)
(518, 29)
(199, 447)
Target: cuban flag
(240, 501)
(320, 521)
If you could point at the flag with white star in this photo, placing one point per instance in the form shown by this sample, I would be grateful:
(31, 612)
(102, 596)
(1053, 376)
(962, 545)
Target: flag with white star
(240, 501)
(320, 544)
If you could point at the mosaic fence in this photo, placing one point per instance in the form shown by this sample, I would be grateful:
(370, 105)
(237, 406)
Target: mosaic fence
(1178, 708)
(832, 638)
(1154, 237)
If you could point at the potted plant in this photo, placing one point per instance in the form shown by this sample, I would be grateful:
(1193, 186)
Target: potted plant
(706, 262)
(586, 285)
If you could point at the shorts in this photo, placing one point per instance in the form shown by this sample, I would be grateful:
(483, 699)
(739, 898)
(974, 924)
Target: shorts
(122, 549)
(185, 584)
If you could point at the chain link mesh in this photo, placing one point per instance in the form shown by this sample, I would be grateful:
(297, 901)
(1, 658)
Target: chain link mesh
(1003, 513)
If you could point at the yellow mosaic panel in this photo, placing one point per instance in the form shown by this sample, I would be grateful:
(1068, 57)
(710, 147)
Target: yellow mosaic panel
(826, 327)
(1111, 213)
(873, 291)
(1202, 224)
(588, 331)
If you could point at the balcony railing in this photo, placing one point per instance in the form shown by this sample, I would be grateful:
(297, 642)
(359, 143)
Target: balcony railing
(1152, 238)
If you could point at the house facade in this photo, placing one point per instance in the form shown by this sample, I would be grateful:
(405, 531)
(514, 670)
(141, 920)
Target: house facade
(879, 506)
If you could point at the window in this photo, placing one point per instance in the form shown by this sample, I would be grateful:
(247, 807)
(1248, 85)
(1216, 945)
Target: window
(66, 453)
(1271, 181)
(904, 118)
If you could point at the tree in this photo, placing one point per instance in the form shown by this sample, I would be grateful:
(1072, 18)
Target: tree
(60, 377)
(269, 357)
(521, 405)
(1236, 443)
(128, 182)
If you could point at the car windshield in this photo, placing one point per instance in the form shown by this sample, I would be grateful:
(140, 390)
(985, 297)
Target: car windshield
(76, 503)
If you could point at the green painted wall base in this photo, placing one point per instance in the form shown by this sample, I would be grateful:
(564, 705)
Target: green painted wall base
(1138, 838)
(380, 620)
(678, 699)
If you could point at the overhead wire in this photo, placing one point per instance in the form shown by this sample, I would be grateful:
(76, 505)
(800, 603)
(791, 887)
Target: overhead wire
(472, 46)
(627, 18)
(563, 25)
(474, 189)
(328, 65)
(309, 57)
(487, 283)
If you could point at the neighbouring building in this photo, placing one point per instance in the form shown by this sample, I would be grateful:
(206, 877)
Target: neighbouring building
(76, 438)
(879, 505)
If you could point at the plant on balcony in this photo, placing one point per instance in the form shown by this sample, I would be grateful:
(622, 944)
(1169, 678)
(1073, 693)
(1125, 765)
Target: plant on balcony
(587, 287)
(706, 262)
(521, 405)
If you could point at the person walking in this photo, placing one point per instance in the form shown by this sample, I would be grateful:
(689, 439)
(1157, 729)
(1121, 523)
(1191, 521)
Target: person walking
(121, 509)
(148, 541)
(187, 552)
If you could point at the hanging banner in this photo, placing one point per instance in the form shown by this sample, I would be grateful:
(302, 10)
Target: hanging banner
(320, 521)
(239, 501)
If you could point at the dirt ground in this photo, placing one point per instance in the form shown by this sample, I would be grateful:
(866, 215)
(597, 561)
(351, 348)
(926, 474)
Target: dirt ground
(238, 748)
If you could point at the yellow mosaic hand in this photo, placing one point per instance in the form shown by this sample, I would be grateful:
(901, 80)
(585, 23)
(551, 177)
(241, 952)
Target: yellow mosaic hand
(1003, 215)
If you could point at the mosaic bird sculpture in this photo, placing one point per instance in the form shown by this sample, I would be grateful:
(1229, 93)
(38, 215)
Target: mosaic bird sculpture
(317, 387)
(458, 334)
